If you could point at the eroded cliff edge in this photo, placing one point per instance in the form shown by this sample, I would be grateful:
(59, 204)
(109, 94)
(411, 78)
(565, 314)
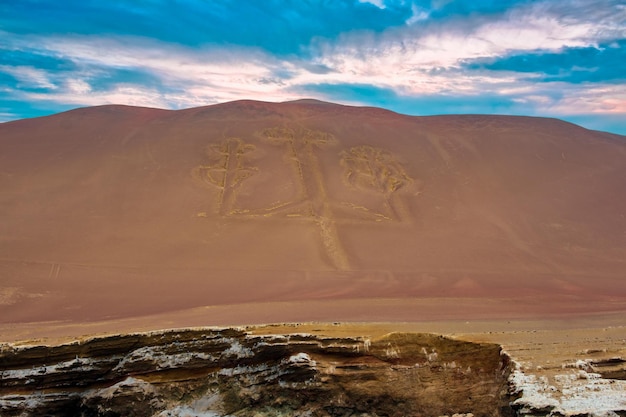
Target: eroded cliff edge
(222, 372)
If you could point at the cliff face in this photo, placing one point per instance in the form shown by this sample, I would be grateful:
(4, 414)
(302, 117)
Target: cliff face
(231, 372)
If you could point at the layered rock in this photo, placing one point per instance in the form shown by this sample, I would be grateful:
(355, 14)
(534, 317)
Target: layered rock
(232, 372)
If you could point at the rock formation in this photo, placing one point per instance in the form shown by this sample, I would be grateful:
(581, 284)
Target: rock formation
(230, 372)
(591, 387)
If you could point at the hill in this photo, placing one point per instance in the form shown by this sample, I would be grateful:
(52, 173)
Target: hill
(116, 211)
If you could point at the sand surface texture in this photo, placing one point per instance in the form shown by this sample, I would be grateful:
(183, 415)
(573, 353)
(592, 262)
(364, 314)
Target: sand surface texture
(251, 212)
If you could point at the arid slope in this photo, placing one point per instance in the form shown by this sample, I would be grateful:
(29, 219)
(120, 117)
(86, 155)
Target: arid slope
(115, 211)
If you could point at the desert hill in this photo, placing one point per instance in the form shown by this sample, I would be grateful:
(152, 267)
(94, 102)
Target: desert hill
(119, 211)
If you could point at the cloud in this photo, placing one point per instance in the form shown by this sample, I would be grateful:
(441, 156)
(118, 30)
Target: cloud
(29, 77)
(131, 95)
(185, 76)
(78, 86)
(527, 57)
(274, 25)
(7, 116)
(573, 65)
(378, 3)
(403, 51)
(431, 59)
(592, 100)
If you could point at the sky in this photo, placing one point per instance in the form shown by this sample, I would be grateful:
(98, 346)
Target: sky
(553, 58)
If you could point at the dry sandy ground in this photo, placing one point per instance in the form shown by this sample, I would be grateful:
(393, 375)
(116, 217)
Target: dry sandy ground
(307, 211)
(540, 342)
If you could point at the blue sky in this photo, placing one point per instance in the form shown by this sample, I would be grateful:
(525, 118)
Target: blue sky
(556, 58)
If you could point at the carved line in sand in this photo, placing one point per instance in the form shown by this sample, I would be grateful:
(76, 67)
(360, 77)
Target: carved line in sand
(376, 170)
(227, 170)
(366, 168)
(55, 270)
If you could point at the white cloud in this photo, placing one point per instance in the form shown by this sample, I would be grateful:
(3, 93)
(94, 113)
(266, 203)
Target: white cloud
(417, 15)
(130, 95)
(378, 3)
(592, 100)
(187, 77)
(400, 54)
(78, 86)
(560, 99)
(28, 76)
(420, 59)
(413, 68)
(7, 117)
(240, 69)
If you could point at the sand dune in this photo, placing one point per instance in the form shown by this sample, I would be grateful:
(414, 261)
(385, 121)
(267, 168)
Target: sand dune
(117, 212)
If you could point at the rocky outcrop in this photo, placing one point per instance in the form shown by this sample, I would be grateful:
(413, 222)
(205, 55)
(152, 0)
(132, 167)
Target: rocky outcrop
(232, 372)
(585, 388)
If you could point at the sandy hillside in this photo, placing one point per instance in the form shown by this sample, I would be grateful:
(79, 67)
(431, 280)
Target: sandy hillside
(251, 212)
